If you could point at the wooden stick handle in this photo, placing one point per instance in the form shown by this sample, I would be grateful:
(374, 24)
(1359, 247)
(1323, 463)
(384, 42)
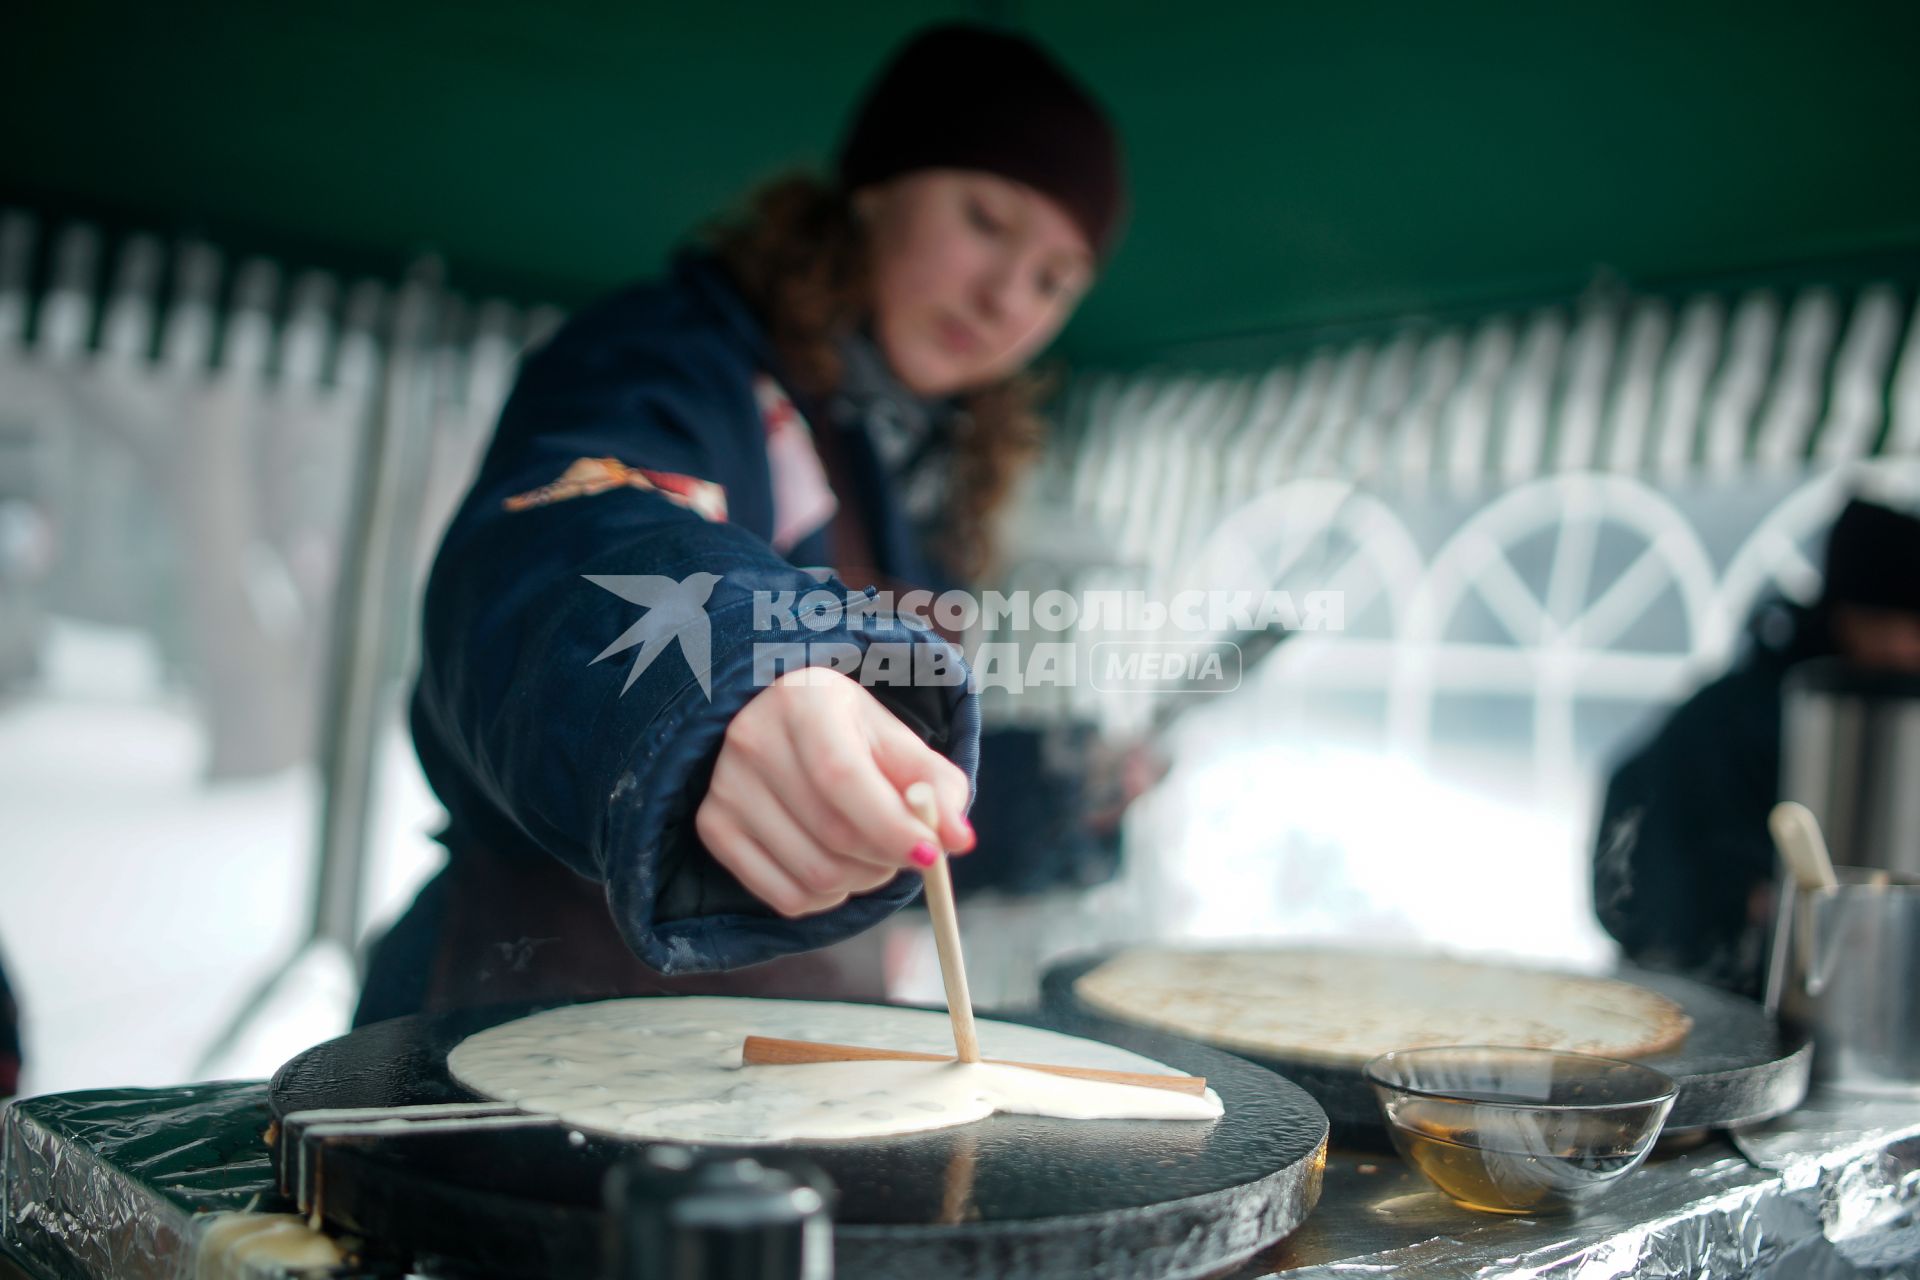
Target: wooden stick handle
(1797, 833)
(946, 931)
(768, 1051)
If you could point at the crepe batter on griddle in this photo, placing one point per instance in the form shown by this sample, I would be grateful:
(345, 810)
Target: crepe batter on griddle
(670, 1069)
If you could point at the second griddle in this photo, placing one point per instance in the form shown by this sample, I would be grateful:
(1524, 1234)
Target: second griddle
(1736, 1066)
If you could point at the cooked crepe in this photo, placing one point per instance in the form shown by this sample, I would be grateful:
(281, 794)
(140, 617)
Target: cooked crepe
(670, 1069)
(1343, 1007)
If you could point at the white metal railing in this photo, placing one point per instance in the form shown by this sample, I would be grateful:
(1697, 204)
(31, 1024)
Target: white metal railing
(187, 429)
(252, 468)
(1547, 527)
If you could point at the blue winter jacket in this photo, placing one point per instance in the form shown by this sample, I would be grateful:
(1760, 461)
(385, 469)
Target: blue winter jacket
(528, 740)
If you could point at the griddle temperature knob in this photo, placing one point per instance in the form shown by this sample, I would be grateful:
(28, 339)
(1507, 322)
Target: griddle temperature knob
(673, 1215)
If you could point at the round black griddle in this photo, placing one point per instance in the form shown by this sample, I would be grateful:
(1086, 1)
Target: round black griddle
(1736, 1067)
(1009, 1196)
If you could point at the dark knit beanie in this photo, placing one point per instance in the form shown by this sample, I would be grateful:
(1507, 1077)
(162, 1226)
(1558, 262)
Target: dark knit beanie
(967, 97)
(1873, 558)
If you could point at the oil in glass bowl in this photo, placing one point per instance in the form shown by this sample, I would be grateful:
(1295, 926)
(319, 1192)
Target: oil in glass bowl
(1520, 1131)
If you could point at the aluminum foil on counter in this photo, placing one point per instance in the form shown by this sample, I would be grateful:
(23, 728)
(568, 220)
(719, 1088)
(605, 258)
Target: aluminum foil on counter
(117, 1183)
(1857, 1159)
(1828, 1193)
(128, 1183)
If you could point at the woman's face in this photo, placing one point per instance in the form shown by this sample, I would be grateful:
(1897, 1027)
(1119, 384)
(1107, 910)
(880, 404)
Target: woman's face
(972, 275)
(1878, 639)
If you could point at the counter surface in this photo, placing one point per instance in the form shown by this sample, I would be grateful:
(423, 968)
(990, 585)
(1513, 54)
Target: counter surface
(118, 1183)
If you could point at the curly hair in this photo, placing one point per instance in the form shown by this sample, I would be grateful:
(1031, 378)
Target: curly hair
(800, 256)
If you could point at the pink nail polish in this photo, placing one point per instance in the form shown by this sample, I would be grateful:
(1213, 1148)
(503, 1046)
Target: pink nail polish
(924, 854)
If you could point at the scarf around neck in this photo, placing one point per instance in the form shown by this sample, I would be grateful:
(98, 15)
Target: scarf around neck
(912, 437)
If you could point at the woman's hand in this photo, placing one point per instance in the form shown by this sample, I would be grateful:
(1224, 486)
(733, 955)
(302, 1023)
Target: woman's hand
(806, 808)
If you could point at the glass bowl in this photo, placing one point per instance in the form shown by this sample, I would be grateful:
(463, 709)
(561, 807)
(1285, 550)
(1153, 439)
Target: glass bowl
(1522, 1131)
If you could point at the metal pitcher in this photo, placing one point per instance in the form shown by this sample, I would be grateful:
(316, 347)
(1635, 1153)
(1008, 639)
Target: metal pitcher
(1850, 751)
(1846, 971)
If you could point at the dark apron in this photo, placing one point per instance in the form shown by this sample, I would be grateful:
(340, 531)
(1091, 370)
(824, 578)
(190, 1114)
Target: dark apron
(496, 928)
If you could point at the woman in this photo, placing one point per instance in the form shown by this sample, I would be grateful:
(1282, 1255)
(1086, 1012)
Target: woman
(1684, 868)
(838, 381)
